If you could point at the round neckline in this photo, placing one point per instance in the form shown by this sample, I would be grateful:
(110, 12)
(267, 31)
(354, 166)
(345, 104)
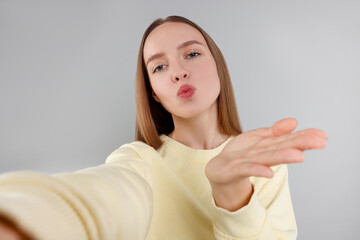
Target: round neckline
(186, 149)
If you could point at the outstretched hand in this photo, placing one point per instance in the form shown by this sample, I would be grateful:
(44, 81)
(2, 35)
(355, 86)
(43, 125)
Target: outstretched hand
(252, 154)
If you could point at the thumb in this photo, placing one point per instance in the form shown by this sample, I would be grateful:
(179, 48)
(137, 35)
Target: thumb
(284, 126)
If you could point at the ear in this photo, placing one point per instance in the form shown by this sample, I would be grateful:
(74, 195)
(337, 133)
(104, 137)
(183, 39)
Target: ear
(155, 97)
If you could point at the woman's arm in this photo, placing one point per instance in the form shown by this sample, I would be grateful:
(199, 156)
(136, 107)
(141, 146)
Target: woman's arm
(110, 201)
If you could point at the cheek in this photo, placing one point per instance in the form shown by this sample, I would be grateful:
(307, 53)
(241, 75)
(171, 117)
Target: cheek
(209, 74)
(206, 67)
(161, 93)
(160, 88)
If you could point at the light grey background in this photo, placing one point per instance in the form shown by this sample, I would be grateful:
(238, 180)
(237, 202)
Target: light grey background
(67, 100)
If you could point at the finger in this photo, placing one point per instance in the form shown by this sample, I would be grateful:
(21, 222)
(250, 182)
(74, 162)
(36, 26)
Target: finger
(284, 126)
(281, 127)
(276, 157)
(303, 141)
(288, 137)
(314, 131)
(259, 164)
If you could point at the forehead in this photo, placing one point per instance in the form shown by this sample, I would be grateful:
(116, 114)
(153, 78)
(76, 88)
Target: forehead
(170, 35)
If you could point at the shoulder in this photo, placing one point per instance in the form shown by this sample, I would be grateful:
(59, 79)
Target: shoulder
(133, 150)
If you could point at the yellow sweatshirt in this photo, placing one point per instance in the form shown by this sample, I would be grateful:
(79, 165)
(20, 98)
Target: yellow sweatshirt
(142, 193)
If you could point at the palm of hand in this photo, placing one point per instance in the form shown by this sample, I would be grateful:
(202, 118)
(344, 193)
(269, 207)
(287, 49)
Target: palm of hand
(254, 152)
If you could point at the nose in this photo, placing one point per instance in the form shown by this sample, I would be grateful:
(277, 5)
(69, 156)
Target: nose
(180, 74)
(179, 77)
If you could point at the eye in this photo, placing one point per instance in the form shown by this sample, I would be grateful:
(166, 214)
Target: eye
(193, 54)
(159, 68)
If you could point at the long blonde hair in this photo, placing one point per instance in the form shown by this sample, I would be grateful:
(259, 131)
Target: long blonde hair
(152, 119)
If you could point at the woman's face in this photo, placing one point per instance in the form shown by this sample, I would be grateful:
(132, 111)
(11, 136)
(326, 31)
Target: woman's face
(181, 69)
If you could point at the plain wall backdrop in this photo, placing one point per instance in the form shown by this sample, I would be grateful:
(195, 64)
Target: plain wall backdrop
(67, 90)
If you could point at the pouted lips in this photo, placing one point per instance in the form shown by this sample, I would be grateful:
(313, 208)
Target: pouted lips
(186, 91)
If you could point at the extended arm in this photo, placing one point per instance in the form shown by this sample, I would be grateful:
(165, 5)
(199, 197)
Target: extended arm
(110, 201)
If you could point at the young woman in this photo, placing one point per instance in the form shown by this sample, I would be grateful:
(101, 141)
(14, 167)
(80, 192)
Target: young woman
(192, 174)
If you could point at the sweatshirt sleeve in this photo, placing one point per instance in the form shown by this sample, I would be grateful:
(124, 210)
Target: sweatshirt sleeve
(111, 201)
(268, 215)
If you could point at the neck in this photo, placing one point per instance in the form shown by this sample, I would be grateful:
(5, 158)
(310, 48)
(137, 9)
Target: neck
(200, 132)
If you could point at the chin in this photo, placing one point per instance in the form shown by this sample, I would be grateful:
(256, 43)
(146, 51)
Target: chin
(191, 113)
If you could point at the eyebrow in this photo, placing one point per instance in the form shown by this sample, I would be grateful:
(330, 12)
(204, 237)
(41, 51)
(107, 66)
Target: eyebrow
(184, 44)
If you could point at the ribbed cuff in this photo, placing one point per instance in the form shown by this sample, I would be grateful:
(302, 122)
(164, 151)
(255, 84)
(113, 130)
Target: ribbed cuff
(247, 222)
